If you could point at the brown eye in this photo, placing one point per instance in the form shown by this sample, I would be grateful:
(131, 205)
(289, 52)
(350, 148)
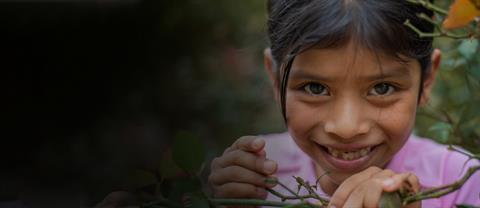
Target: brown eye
(382, 89)
(315, 89)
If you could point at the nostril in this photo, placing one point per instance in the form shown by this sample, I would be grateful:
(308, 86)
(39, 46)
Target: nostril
(347, 131)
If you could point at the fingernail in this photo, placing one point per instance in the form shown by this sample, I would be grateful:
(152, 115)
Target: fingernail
(388, 182)
(257, 143)
(269, 166)
(271, 182)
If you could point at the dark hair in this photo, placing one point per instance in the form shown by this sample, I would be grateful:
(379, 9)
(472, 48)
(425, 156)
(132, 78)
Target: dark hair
(297, 25)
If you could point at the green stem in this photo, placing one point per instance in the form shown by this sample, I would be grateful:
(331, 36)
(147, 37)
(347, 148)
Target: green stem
(251, 202)
(442, 190)
(283, 197)
(435, 34)
(429, 5)
(161, 202)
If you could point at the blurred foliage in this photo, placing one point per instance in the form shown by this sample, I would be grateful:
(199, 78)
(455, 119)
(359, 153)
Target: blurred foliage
(97, 92)
(452, 114)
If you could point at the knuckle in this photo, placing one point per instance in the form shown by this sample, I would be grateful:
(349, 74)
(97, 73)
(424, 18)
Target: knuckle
(235, 172)
(358, 192)
(238, 157)
(214, 164)
(338, 197)
(245, 140)
(374, 169)
(213, 178)
(389, 172)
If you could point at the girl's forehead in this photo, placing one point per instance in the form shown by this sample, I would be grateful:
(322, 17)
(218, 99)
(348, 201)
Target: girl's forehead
(349, 61)
(350, 54)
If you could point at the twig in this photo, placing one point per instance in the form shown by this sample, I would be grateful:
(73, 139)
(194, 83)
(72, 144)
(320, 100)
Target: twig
(283, 197)
(310, 190)
(441, 33)
(290, 190)
(161, 202)
(470, 156)
(442, 190)
(252, 202)
(430, 6)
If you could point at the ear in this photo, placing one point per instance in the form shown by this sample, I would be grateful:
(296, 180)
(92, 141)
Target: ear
(271, 69)
(430, 78)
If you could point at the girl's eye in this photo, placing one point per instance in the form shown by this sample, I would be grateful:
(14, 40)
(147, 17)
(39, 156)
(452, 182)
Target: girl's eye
(315, 89)
(382, 89)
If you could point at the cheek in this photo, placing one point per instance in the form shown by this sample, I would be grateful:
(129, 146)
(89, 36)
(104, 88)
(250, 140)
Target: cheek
(398, 120)
(302, 120)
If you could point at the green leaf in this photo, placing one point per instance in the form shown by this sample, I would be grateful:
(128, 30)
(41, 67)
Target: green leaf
(188, 152)
(390, 200)
(168, 168)
(442, 131)
(468, 48)
(140, 178)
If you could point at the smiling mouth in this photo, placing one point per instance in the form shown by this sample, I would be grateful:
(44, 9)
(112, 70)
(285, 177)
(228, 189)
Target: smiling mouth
(348, 155)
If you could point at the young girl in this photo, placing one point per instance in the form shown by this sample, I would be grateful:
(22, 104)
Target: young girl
(349, 77)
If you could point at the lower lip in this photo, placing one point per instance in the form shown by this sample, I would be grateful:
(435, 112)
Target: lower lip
(348, 165)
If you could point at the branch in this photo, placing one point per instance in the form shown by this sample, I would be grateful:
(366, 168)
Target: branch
(251, 202)
(429, 5)
(442, 190)
(441, 33)
(312, 194)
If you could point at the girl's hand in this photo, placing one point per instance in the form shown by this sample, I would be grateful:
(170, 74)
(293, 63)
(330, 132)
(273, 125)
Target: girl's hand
(242, 169)
(365, 188)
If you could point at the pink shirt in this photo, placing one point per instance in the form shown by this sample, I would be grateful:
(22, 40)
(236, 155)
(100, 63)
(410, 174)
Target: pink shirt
(432, 163)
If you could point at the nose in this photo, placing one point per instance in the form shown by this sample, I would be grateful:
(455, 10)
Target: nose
(348, 119)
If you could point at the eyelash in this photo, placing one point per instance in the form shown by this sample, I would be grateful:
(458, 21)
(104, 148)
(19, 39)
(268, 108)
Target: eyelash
(309, 91)
(391, 89)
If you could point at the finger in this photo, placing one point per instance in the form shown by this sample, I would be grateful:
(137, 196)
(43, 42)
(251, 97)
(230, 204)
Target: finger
(398, 181)
(366, 195)
(240, 175)
(262, 153)
(239, 190)
(248, 160)
(345, 189)
(249, 144)
(414, 182)
(385, 173)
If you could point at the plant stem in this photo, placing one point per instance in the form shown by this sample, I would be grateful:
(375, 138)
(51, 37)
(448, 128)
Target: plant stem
(430, 6)
(435, 34)
(251, 202)
(442, 190)
(161, 202)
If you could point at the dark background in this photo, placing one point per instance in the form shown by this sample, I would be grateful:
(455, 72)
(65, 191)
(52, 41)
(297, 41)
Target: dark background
(94, 90)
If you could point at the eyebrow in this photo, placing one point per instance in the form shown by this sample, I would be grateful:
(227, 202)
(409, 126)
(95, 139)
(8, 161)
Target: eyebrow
(397, 71)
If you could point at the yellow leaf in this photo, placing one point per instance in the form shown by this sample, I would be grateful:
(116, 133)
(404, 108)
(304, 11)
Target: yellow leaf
(461, 13)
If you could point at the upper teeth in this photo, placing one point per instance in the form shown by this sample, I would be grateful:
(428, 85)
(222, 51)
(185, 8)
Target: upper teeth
(346, 155)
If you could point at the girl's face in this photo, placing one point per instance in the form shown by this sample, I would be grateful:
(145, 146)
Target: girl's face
(349, 109)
